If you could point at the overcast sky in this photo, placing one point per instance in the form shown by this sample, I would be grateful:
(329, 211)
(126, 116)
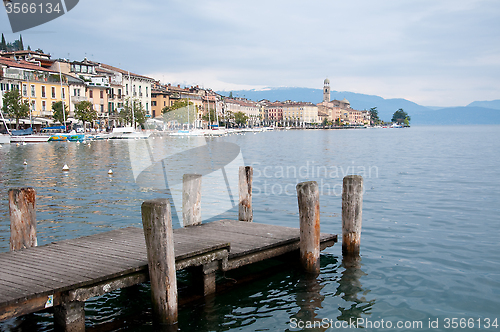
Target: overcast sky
(432, 52)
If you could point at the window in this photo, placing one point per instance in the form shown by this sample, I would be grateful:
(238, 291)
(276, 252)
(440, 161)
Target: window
(53, 92)
(146, 91)
(25, 90)
(147, 108)
(91, 94)
(33, 94)
(140, 91)
(33, 105)
(43, 105)
(153, 103)
(133, 90)
(63, 94)
(43, 92)
(102, 94)
(102, 108)
(119, 93)
(126, 87)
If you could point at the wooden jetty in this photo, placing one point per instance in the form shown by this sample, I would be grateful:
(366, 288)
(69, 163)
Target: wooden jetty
(65, 274)
(78, 269)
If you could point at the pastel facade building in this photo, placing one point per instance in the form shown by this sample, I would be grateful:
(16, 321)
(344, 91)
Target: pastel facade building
(40, 86)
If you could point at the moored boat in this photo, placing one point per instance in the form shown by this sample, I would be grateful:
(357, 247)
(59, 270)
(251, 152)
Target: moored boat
(4, 139)
(128, 133)
(27, 136)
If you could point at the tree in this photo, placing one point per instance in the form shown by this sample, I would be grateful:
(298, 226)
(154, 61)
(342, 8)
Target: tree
(374, 115)
(3, 44)
(399, 116)
(176, 105)
(15, 106)
(85, 112)
(57, 112)
(21, 46)
(133, 111)
(240, 118)
(231, 94)
(211, 116)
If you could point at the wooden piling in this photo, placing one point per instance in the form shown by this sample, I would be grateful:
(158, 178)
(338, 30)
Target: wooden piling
(352, 208)
(245, 191)
(70, 317)
(22, 203)
(157, 223)
(191, 199)
(308, 199)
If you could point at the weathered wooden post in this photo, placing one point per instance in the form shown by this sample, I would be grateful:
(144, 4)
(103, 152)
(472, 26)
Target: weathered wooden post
(352, 208)
(245, 190)
(22, 203)
(157, 223)
(70, 317)
(191, 199)
(308, 198)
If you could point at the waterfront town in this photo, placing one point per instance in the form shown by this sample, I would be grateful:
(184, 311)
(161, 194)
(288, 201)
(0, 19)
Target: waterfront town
(43, 81)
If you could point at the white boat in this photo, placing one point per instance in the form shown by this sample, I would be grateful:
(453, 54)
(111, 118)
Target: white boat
(191, 132)
(4, 139)
(27, 136)
(33, 138)
(128, 133)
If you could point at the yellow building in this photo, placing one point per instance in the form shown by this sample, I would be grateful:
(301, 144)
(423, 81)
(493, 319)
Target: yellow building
(39, 86)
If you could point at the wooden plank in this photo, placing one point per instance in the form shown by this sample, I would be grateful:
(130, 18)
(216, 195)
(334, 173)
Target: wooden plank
(26, 307)
(78, 270)
(33, 272)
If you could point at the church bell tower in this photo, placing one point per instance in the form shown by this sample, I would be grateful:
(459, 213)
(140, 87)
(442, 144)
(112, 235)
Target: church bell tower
(326, 90)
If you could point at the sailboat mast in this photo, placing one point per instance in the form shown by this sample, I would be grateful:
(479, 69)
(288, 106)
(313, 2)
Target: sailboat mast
(132, 103)
(29, 99)
(62, 99)
(4, 122)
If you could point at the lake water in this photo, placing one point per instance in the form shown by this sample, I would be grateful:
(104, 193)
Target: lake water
(430, 251)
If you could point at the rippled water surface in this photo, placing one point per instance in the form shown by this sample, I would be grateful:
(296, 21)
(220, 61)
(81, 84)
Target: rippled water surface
(430, 242)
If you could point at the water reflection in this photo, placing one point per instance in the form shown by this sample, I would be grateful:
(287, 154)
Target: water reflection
(310, 300)
(349, 289)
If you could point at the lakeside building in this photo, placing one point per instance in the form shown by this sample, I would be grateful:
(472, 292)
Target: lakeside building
(40, 86)
(160, 98)
(134, 87)
(250, 108)
(290, 113)
(340, 111)
(203, 100)
(273, 112)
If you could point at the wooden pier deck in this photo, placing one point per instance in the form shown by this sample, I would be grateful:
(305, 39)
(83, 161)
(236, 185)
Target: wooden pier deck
(75, 270)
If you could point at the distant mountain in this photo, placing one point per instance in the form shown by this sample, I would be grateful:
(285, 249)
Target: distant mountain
(493, 104)
(489, 113)
(459, 116)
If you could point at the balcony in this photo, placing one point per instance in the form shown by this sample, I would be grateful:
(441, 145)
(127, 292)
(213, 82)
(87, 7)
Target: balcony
(77, 99)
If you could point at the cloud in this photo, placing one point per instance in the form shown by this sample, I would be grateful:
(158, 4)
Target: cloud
(431, 51)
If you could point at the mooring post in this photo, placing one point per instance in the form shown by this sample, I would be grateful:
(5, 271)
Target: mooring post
(22, 204)
(70, 317)
(308, 198)
(157, 224)
(245, 190)
(352, 208)
(191, 199)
